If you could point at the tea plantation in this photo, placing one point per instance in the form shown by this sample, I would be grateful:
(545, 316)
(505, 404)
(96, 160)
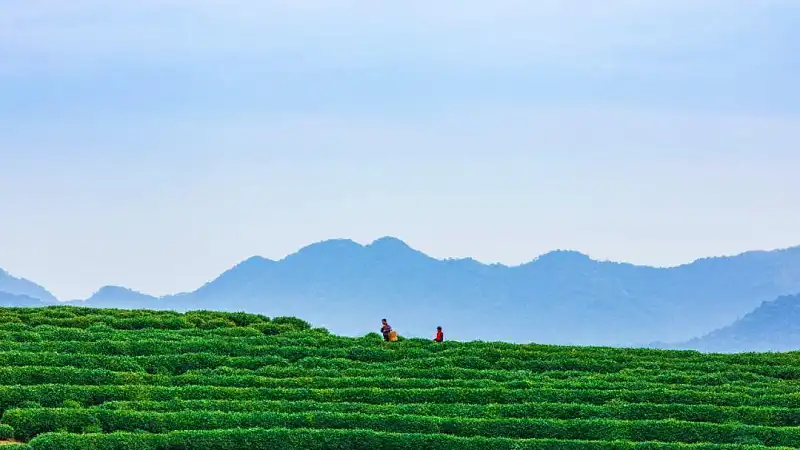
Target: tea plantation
(81, 378)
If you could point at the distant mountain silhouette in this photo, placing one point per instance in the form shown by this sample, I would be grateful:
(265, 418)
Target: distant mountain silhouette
(20, 286)
(773, 326)
(16, 300)
(561, 297)
(119, 297)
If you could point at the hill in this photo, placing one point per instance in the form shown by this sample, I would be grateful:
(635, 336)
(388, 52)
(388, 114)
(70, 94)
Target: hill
(562, 297)
(20, 286)
(80, 378)
(7, 300)
(773, 326)
(119, 297)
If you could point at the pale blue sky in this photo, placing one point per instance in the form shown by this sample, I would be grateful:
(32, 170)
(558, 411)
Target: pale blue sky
(155, 143)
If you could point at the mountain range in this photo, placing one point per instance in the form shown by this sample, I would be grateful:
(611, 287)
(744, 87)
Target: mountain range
(23, 287)
(562, 297)
(773, 326)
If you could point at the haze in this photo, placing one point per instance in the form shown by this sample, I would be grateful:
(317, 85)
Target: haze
(154, 144)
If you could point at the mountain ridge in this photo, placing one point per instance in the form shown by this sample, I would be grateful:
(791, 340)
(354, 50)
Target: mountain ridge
(334, 276)
(773, 326)
(22, 286)
(561, 296)
(543, 256)
(18, 300)
(112, 292)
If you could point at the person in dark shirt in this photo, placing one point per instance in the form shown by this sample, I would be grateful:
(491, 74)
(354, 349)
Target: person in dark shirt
(439, 335)
(385, 330)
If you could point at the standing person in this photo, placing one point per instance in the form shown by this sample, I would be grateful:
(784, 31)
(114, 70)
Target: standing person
(439, 335)
(386, 329)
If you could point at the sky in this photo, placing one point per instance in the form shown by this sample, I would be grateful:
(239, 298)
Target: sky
(154, 144)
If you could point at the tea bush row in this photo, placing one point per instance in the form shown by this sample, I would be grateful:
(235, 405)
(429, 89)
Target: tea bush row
(277, 367)
(36, 375)
(751, 415)
(55, 394)
(303, 439)
(28, 423)
(397, 356)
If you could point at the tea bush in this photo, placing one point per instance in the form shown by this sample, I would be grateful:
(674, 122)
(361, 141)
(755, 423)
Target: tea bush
(83, 378)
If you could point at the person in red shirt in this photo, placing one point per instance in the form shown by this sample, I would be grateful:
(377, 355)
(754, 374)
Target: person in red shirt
(439, 335)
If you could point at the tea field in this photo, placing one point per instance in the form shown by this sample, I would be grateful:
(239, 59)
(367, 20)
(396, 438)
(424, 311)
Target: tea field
(81, 378)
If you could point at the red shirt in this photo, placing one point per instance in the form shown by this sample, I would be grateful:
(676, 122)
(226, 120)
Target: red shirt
(439, 336)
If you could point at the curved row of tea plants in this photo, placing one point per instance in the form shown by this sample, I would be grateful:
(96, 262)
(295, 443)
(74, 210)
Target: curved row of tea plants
(99, 378)
(28, 423)
(310, 379)
(293, 439)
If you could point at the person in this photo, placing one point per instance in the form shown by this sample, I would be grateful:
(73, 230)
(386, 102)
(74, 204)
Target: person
(439, 335)
(386, 329)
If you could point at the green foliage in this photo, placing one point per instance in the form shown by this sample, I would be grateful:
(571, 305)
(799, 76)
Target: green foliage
(283, 439)
(294, 322)
(28, 423)
(82, 378)
(6, 432)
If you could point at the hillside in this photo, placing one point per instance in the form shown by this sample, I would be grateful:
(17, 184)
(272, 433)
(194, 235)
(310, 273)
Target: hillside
(7, 299)
(562, 297)
(119, 297)
(775, 325)
(20, 286)
(81, 378)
